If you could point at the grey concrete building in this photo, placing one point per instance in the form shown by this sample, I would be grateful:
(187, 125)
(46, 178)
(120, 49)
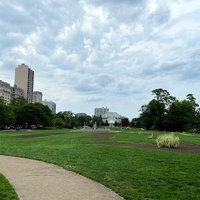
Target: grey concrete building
(37, 97)
(100, 111)
(51, 105)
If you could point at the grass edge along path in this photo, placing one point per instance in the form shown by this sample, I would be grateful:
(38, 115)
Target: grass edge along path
(7, 192)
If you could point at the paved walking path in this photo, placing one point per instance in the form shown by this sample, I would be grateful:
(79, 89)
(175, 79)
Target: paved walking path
(36, 180)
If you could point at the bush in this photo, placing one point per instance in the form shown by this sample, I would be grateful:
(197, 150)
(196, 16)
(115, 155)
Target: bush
(168, 140)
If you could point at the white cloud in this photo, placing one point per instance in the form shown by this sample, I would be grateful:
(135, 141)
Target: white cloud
(87, 54)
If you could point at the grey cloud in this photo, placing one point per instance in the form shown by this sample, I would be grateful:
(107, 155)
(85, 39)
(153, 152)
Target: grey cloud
(96, 83)
(161, 16)
(124, 11)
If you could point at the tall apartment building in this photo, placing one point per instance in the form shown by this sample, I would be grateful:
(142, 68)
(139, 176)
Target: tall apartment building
(24, 79)
(51, 105)
(5, 91)
(37, 97)
(100, 111)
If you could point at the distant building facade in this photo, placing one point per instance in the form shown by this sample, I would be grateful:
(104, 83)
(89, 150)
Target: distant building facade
(5, 91)
(51, 105)
(37, 97)
(16, 92)
(81, 114)
(111, 118)
(100, 111)
(8, 92)
(24, 79)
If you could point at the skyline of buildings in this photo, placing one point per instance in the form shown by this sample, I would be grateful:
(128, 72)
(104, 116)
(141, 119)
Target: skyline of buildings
(23, 87)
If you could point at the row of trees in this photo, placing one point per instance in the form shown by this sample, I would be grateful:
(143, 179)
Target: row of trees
(20, 113)
(165, 112)
(69, 120)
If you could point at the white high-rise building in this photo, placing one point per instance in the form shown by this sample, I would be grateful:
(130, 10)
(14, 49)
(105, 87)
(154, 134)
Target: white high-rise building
(24, 79)
(51, 105)
(100, 111)
(37, 97)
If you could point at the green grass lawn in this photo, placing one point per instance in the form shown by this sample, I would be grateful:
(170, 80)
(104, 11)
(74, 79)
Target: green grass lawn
(134, 173)
(6, 190)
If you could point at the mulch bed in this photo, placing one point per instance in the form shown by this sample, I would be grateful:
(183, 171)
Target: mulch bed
(184, 146)
(37, 135)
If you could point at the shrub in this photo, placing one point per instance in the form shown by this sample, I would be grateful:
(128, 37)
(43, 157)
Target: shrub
(168, 140)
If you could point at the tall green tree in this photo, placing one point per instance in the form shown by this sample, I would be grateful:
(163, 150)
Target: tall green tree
(181, 116)
(7, 116)
(155, 111)
(68, 118)
(152, 116)
(84, 120)
(164, 112)
(33, 114)
(18, 101)
(58, 122)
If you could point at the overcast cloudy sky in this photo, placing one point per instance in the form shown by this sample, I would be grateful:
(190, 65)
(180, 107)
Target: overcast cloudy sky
(95, 53)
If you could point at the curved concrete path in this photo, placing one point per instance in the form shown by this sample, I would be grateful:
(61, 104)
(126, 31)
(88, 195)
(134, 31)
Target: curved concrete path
(36, 180)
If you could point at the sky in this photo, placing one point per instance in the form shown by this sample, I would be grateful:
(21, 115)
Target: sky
(88, 54)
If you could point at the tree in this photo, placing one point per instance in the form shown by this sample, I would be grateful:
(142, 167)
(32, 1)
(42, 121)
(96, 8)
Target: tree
(84, 120)
(58, 122)
(125, 122)
(7, 116)
(32, 114)
(45, 109)
(180, 116)
(98, 121)
(19, 101)
(164, 112)
(154, 113)
(151, 118)
(163, 96)
(67, 117)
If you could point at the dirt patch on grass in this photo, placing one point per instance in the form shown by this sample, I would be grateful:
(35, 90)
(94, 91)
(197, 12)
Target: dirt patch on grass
(100, 136)
(184, 147)
(37, 135)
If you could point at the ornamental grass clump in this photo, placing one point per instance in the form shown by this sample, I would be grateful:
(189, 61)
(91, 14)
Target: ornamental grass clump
(168, 140)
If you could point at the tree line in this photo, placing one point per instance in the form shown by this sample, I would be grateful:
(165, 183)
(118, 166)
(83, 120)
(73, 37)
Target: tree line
(165, 112)
(35, 115)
